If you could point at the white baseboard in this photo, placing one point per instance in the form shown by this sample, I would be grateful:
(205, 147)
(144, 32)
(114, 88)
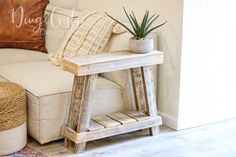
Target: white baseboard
(169, 120)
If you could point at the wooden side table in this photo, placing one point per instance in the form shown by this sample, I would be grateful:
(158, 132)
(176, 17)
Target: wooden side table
(81, 127)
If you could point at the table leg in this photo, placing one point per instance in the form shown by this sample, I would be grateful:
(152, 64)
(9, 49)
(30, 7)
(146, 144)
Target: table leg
(138, 88)
(76, 98)
(85, 110)
(150, 96)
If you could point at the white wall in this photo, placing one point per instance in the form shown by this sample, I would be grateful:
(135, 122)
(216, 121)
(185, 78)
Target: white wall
(208, 70)
(170, 43)
(64, 3)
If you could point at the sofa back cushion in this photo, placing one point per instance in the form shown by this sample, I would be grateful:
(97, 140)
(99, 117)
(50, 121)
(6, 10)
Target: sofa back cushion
(22, 24)
(11, 55)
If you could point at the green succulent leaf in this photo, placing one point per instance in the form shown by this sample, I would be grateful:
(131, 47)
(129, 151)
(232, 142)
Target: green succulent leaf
(151, 17)
(121, 24)
(138, 27)
(130, 21)
(144, 22)
(134, 20)
(152, 29)
(151, 22)
(140, 30)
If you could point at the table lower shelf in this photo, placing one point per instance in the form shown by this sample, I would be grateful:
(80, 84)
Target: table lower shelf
(111, 125)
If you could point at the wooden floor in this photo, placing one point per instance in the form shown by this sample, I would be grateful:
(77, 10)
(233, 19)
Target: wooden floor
(214, 140)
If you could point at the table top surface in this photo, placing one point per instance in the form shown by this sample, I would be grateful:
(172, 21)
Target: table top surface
(106, 62)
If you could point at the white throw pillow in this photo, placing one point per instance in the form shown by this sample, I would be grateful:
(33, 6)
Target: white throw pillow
(59, 21)
(90, 34)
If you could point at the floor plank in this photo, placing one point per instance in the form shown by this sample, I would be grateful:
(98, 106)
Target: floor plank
(214, 140)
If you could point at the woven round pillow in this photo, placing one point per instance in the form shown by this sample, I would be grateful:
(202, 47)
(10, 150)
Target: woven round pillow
(13, 131)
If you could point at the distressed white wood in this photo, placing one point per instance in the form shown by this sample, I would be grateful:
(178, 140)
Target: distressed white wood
(122, 118)
(86, 69)
(139, 116)
(95, 126)
(106, 121)
(107, 62)
(85, 111)
(76, 100)
(112, 131)
(72, 135)
(150, 96)
(138, 88)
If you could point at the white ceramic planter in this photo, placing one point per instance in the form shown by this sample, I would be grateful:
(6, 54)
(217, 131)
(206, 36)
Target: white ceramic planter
(144, 45)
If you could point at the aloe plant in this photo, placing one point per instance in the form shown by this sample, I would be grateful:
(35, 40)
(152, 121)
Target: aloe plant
(140, 30)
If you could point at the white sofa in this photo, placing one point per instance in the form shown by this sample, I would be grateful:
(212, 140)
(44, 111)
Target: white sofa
(49, 88)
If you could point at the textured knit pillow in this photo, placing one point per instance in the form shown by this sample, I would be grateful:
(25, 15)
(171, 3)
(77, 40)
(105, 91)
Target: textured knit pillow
(90, 34)
(22, 24)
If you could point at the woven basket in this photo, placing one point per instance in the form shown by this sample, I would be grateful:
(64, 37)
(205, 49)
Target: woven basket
(13, 133)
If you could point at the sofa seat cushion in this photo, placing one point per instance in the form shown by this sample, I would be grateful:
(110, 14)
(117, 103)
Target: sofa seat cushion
(48, 93)
(9, 55)
(43, 78)
(39, 78)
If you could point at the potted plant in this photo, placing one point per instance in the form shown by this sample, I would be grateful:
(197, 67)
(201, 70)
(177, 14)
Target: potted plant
(141, 42)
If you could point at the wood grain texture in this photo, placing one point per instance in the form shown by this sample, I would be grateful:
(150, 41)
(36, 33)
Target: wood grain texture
(150, 96)
(122, 118)
(104, 147)
(95, 126)
(100, 63)
(139, 116)
(138, 88)
(73, 135)
(86, 69)
(112, 131)
(106, 121)
(86, 108)
(123, 129)
(76, 99)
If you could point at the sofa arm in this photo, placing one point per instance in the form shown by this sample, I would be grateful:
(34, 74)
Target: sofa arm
(108, 62)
